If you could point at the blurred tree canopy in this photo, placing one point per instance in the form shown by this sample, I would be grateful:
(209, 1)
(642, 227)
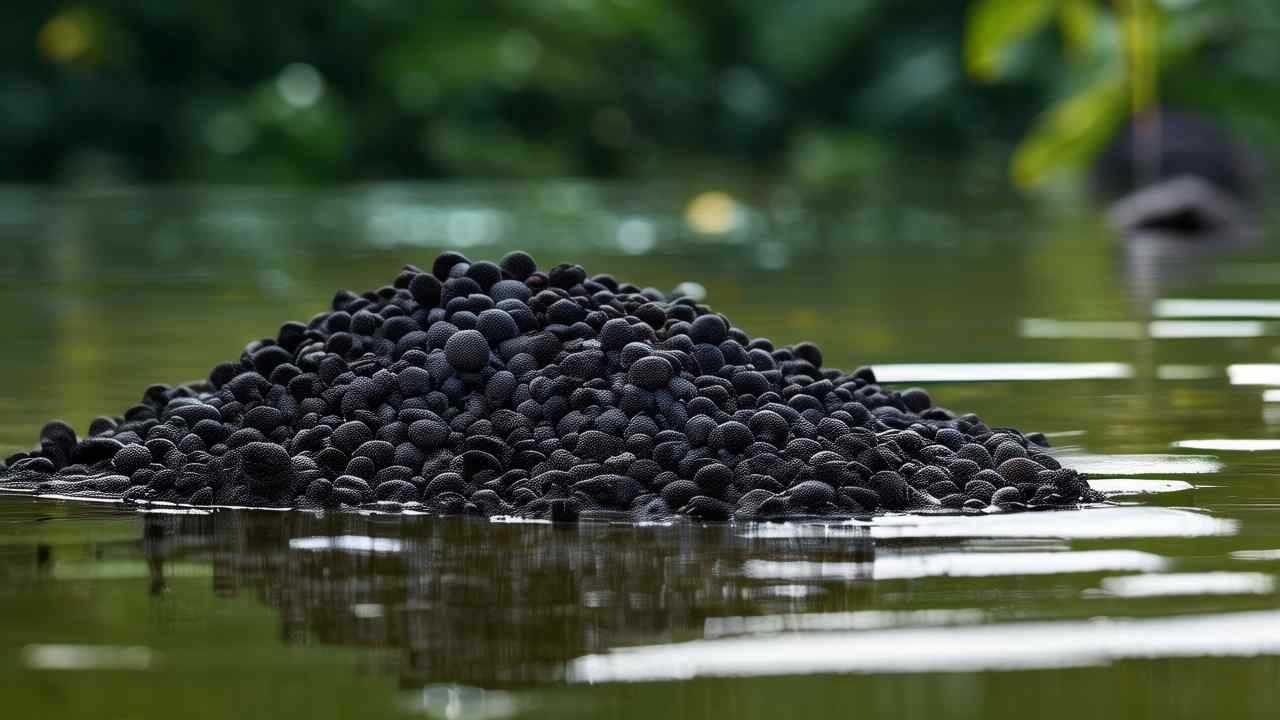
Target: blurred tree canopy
(816, 90)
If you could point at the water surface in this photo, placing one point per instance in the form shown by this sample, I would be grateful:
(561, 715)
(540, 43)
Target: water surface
(1162, 606)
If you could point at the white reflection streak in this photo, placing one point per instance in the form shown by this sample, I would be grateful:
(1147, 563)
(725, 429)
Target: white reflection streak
(826, 622)
(1119, 487)
(1256, 555)
(1092, 524)
(1229, 444)
(347, 543)
(1254, 374)
(992, 372)
(1012, 646)
(1050, 329)
(1216, 308)
(1096, 523)
(1174, 584)
(1138, 464)
(958, 564)
(86, 657)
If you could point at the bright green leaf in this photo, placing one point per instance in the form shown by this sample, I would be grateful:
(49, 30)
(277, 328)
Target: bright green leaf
(994, 26)
(1069, 133)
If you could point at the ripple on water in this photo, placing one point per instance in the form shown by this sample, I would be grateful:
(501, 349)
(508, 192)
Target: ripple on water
(1008, 646)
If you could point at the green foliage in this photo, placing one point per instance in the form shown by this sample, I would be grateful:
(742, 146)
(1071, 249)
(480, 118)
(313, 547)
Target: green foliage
(297, 91)
(995, 26)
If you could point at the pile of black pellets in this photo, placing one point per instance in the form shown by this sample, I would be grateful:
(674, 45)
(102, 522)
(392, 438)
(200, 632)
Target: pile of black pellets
(498, 389)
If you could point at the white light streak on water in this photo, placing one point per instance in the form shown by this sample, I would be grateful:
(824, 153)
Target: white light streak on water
(87, 657)
(1175, 329)
(347, 543)
(1089, 524)
(1254, 374)
(827, 622)
(996, 372)
(1140, 464)
(1094, 523)
(1122, 487)
(1010, 646)
(957, 564)
(1256, 555)
(1176, 584)
(1216, 308)
(1048, 328)
(1188, 372)
(1230, 444)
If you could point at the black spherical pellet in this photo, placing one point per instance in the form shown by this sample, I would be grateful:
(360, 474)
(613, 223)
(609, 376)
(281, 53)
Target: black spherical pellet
(131, 458)
(496, 325)
(518, 265)
(1006, 495)
(679, 493)
(484, 273)
(892, 489)
(351, 435)
(713, 478)
(510, 290)
(467, 350)
(265, 460)
(811, 494)
(731, 435)
(650, 373)
(710, 329)
(1018, 470)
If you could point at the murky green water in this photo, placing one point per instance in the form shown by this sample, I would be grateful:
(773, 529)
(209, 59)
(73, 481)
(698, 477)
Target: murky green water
(1165, 606)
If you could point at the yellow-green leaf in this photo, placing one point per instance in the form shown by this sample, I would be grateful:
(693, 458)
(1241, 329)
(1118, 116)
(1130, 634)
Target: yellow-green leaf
(1078, 18)
(1069, 133)
(1142, 38)
(994, 26)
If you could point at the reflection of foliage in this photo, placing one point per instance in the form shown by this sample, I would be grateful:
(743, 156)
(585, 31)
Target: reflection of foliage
(1112, 49)
(820, 90)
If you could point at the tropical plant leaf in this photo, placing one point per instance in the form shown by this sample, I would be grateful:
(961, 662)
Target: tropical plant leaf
(994, 26)
(1070, 132)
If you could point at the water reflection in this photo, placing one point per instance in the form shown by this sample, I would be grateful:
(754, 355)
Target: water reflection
(498, 605)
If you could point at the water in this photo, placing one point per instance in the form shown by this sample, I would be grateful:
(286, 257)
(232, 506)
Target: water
(1163, 606)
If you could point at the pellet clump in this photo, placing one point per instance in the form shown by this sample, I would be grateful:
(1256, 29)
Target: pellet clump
(498, 389)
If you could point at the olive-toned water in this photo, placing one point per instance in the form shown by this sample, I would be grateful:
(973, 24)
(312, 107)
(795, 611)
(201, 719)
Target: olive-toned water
(1165, 606)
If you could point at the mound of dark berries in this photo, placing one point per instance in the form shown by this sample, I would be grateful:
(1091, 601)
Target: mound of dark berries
(499, 389)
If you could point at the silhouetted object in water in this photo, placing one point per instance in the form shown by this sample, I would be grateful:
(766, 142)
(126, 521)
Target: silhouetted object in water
(1182, 191)
(1175, 171)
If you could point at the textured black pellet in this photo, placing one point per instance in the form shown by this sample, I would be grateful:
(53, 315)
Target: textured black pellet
(711, 329)
(500, 389)
(1006, 495)
(131, 458)
(650, 373)
(467, 350)
(518, 265)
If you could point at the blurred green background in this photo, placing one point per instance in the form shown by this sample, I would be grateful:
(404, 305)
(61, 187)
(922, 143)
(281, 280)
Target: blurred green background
(812, 91)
